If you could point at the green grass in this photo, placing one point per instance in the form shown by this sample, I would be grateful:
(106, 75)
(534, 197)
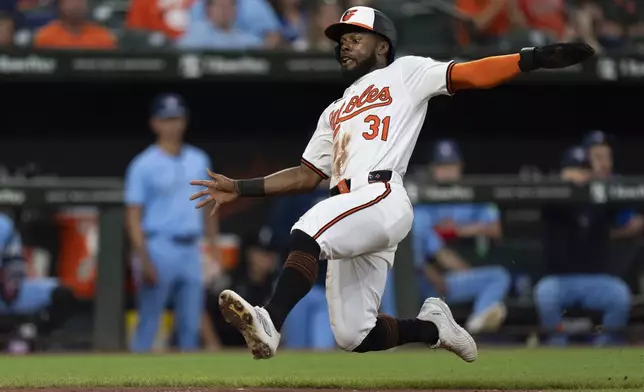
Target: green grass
(581, 369)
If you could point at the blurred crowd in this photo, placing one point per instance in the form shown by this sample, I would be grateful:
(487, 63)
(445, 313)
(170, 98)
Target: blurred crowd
(604, 24)
(162, 24)
(299, 24)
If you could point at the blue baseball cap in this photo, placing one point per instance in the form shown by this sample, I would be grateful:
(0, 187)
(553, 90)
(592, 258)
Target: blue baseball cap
(575, 156)
(595, 138)
(168, 106)
(446, 151)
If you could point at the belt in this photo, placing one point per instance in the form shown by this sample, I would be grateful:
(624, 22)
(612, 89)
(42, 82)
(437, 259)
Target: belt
(179, 239)
(344, 186)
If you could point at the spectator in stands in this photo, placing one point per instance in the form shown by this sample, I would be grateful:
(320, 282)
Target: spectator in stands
(547, 16)
(169, 17)
(30, 14)
(293, 20)
(73, 30)
(254, 16)
(324, 14)
(629, 223)
(442, 271)
(608, 24)
(20, 295)
(489, 21)
(253, 277)
(219, 31)
(6, 30)
(576, 246)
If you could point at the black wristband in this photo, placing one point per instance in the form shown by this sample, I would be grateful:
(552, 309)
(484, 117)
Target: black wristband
(527, 60)
(252, 187)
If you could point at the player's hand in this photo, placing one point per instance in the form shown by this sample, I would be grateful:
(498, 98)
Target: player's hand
(148, 273)
(219, 190)
(555, 56)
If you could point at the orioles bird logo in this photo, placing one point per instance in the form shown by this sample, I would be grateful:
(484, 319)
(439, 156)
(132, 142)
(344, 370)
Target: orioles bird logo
(347, 15)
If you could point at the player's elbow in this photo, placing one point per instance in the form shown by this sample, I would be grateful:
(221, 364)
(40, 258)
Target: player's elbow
(309, 180)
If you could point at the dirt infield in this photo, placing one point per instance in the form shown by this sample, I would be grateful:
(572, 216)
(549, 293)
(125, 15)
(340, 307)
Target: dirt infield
(116, 389)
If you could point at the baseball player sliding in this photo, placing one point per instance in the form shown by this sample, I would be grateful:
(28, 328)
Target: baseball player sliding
(363, 142)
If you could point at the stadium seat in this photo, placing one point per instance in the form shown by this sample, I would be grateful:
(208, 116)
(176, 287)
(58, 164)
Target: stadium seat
(110, 13)
(137, 40)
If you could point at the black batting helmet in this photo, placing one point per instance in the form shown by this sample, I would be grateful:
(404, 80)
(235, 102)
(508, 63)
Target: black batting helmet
(366, 19)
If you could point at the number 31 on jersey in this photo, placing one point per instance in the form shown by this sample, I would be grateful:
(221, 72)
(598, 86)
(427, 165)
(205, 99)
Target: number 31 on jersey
(377, 127)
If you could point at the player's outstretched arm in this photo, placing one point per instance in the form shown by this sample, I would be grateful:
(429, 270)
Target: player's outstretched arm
(299, 179)
(221, 189)
(492, 71)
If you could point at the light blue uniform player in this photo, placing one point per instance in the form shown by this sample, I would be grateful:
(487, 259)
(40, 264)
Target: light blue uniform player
(165, 230)
(442, 271)
(19, 295)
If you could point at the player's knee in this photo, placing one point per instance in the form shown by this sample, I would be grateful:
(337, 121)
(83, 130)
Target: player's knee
(501, 277)
(302, 242)
(546, 292)
(347, 337)
(619, 294)
(304, 256)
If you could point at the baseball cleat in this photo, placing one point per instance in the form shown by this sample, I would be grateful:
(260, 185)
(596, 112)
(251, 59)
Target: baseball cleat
(253, 322)
(451, 336)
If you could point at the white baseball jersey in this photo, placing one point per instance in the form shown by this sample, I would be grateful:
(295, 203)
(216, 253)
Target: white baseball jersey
(374, 126)
(376, 123)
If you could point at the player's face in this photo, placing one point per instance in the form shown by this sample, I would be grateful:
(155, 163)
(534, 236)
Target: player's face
(73, 9)
(447, 172)
(601, 160)
(359, 52)
(169, 128)
(222, 12)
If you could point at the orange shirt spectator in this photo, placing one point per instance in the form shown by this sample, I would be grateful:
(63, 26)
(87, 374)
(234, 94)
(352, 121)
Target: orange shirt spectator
(490, 19)
(73, 30)
(55, 35)
(168, 16)
(546, 15)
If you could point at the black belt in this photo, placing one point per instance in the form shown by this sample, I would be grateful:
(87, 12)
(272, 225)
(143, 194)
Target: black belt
(344, 186)
(179, 239)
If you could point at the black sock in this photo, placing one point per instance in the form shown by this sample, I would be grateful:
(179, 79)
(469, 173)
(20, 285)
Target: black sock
(417, 331)
(297, 278)
(390, 332)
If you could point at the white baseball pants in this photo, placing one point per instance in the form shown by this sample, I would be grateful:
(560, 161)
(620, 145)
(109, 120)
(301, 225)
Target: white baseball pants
(358, 232)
